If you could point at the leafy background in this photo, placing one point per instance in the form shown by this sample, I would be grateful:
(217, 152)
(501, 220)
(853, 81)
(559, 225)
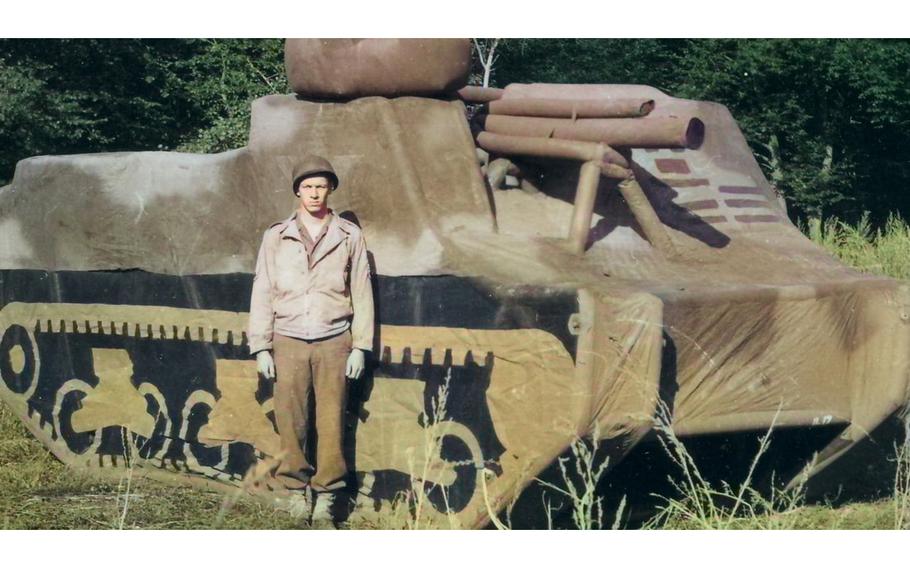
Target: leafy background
(828, 120)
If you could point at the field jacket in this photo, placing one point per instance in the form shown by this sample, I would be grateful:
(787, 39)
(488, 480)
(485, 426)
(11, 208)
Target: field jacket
(311, 295)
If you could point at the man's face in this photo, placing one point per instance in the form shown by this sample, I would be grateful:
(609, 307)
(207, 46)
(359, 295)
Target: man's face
(314, 193)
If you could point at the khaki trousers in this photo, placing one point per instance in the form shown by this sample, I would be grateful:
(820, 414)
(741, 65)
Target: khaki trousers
(306, 369)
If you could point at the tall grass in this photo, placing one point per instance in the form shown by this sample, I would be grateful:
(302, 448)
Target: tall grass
(902, 480)
(420, 468)
(884, 250)
(581, 488)
(699, 504)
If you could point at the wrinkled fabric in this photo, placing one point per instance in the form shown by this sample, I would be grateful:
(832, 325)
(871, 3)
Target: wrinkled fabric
(342, 68)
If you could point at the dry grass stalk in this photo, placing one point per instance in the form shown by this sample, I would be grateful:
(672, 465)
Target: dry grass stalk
(901, 499)
(702, 505)
(421, 468)
(587, 505)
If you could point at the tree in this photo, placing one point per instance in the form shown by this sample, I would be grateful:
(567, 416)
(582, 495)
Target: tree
(826, 118)
(74, 96)
(223, 78)
(645, 61)
(70, 96)
(485, 55)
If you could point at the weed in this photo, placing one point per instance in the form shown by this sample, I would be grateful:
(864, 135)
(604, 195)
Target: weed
(426, 463)
(901, 497)
(884, 251)
(700, 504)
(587, 505)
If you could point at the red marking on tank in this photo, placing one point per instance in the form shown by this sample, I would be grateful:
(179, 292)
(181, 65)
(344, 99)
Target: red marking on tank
(694, 182)
(757, 218)
(740, 189)
(698, 205)
(696, 220)
(714, 219)
(745, 203)
(672, 166)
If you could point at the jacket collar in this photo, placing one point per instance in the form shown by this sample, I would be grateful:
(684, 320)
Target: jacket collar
(334, 235)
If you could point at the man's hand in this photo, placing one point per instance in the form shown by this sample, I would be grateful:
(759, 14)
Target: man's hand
(355, 365)
(265, 364)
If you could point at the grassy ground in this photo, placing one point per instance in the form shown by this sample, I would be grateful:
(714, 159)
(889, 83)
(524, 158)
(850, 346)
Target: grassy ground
(866, 516)
(37, 491)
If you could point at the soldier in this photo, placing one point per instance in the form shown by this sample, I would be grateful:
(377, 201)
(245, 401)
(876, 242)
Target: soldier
(312, 306)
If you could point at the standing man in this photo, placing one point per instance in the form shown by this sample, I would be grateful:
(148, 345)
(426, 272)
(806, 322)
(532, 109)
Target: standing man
(312, 307)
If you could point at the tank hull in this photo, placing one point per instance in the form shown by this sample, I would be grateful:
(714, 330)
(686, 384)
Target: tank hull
(123, 314)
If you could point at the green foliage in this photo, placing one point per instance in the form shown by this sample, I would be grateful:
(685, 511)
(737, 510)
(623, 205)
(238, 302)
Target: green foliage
(223, 79)
(644, 61)
(885, 250)
(700, 504)
(73, 96)
(827, 118)
(39, 492)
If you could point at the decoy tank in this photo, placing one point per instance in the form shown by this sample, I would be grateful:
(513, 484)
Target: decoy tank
(551, 263)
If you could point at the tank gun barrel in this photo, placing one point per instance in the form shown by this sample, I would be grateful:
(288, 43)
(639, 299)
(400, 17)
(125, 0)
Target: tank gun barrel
(668, 132)
(479, 95)
(572, 108)
(540, 147)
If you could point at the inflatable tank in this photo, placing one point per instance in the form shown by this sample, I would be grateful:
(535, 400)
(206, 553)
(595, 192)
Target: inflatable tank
(569, 262)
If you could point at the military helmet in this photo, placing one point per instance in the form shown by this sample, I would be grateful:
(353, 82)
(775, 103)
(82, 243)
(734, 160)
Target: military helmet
(310, 166)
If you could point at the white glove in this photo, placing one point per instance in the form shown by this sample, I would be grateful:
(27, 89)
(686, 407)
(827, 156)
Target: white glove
(355, 364)
(265, 364)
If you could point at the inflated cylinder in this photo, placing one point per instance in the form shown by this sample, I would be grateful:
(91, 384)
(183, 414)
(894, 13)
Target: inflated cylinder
(351, 68)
